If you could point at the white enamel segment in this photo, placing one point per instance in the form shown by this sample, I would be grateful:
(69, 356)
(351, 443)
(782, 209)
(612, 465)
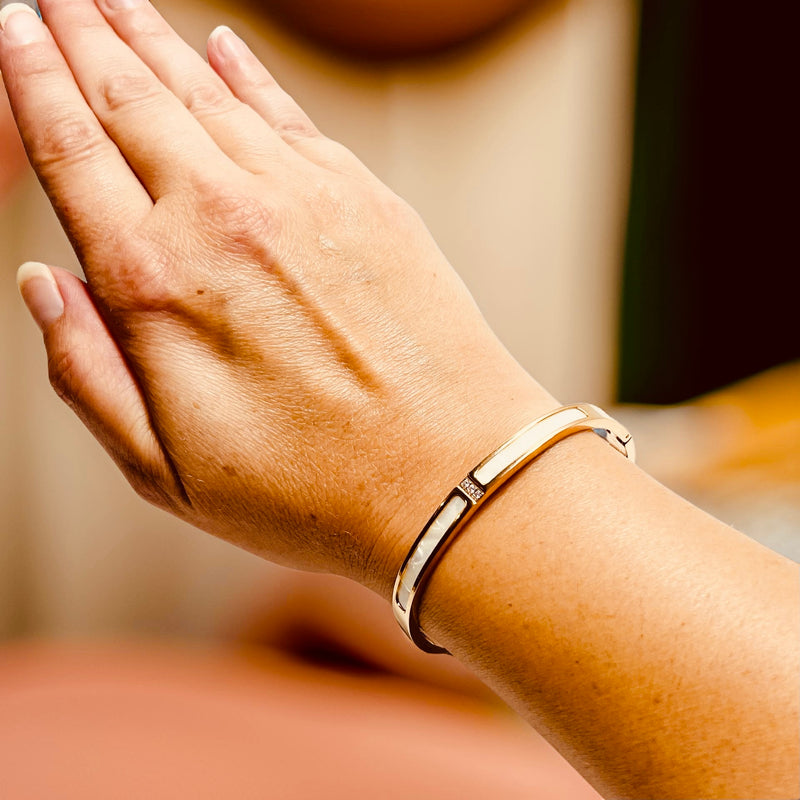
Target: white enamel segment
(427, 544)
(530, 439)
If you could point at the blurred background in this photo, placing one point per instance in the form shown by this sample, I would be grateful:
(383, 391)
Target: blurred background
(614, 182)
(610, 178)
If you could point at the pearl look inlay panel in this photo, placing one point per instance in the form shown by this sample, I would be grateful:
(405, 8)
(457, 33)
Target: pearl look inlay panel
(426, 545)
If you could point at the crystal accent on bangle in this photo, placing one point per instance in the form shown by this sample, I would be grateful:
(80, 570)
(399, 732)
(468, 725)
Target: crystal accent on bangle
(471, 489)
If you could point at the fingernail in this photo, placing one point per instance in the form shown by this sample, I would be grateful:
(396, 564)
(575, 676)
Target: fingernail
(21, 28)
(40, 292)
(227, 42)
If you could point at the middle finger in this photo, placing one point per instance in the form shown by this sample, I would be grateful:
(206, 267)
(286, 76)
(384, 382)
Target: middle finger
(236, 128)
(164, 144)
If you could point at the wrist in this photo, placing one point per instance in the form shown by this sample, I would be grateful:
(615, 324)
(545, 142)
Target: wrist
(436, 452)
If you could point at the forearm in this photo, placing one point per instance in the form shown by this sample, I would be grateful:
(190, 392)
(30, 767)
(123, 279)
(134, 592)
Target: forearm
(655, 647)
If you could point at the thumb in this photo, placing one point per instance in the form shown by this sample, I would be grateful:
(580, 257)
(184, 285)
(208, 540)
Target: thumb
(89, 372)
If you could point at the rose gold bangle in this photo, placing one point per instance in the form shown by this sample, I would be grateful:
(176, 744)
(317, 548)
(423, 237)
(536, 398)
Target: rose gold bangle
(481, 482)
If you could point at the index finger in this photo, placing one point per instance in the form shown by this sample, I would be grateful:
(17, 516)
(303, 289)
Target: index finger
(94, 191)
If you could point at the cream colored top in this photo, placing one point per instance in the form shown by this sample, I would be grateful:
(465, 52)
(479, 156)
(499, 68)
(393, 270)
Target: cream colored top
(515, 151)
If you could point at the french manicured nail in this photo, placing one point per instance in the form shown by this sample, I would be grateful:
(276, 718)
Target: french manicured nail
(24, 27)
(40, 292)
(230, 46)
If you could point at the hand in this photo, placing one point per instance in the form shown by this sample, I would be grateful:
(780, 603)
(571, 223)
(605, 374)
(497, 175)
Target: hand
(269, 343)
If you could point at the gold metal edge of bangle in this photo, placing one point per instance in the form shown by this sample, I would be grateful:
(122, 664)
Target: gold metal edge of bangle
(595, 419)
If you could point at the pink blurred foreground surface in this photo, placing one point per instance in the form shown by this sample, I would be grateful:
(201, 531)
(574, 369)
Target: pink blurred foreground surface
(158, 721)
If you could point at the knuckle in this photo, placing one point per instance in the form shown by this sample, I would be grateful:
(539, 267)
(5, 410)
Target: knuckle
(66, 138)
(61, 367)
(145, 278)
(330, 200)
(90, 23)
(291, 125)
(392, 208)
(240, 222)
(260, 81)
(337, 153)
(150, 28)
(141, 267)
(129, 88)
(207, 98)
(36, 63)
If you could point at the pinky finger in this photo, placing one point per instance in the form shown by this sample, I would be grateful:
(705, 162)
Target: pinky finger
(90, 374)
(250, 81)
